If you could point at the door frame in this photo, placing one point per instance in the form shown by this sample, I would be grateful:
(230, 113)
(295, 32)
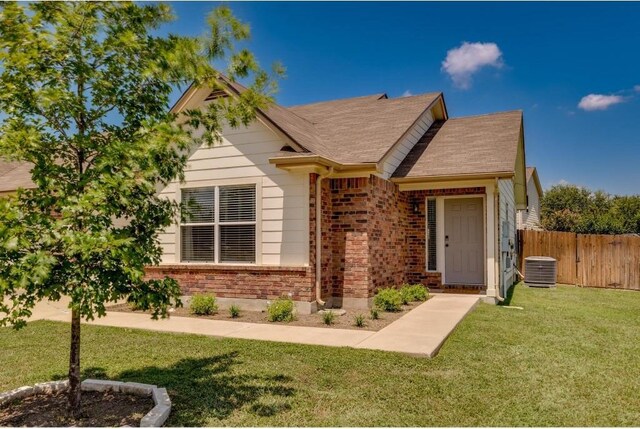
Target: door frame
(440, 232)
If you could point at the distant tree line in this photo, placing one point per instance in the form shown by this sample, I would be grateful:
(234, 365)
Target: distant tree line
(576, 209)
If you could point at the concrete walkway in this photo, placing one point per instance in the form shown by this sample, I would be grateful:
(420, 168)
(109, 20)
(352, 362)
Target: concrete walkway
(420, 332)
(423, 330)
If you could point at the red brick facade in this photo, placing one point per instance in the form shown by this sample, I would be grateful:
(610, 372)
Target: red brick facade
(371, 238)
(235, 281)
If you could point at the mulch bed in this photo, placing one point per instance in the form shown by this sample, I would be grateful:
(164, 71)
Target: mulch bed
(98, 409)
(345, 321)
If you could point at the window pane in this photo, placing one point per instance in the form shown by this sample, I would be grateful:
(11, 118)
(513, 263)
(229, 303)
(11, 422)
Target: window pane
(199, 205)
(431, 245)
(237, 243)
(238, 203)
(197, 243)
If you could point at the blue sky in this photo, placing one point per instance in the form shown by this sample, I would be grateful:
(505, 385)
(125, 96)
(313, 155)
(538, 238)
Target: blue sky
(543, 58)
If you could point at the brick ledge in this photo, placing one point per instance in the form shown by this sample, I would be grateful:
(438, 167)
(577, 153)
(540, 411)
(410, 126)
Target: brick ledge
(227, 267)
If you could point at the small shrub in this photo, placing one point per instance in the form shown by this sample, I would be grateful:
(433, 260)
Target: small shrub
(281, 310)
(328, 317)
(414, 293)
(359, 321)
(134, 306)
(234, 311)
(203, 305)
(406, 294)
(375, 314)
(420, 292)
(388, 299)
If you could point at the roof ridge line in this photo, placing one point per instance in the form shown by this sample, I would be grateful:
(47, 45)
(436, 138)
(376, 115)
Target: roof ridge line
(380, 95)
(295, 114)
(487, 114)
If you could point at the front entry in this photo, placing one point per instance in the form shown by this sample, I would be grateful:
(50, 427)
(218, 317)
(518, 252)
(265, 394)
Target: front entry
(464, 241)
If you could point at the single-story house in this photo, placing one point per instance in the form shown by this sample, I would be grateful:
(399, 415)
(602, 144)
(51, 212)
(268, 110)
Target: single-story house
(330, 201)
(529, 218)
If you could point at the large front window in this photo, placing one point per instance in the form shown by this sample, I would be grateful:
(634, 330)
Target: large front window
(218, 224)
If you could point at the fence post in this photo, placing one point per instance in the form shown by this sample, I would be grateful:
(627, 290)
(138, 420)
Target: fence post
(576, 280)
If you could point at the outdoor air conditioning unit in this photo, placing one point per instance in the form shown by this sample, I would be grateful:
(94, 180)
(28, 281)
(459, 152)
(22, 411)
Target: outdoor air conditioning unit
(540, 271)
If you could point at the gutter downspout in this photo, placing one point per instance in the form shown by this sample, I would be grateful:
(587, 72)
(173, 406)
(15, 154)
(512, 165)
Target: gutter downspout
(319, 235)
(498, 271)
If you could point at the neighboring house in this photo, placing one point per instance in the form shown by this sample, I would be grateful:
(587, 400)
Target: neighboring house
(530, 217)
(328, 202)
(14, 175)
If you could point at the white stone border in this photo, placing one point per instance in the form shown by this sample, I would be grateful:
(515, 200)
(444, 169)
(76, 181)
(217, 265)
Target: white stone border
(154, 418)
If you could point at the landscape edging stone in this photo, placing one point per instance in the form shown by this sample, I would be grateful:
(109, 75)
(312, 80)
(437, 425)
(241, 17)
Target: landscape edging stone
(154, 418)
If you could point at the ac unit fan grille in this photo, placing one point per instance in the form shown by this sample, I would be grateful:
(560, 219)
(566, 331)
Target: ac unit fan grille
(540, 271)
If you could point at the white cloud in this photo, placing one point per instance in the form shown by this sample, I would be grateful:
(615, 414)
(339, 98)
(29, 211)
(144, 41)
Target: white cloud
(599, 101)
(407, 93)
(462, 62)
(636, 88)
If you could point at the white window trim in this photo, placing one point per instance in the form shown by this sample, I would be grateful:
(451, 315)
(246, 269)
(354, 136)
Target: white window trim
(216, 184)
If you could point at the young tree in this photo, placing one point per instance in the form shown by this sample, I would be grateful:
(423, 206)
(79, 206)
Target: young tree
(84, 92)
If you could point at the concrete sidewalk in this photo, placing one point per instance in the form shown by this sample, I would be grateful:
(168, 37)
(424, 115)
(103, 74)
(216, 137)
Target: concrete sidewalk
(420, 332)
(423, 330)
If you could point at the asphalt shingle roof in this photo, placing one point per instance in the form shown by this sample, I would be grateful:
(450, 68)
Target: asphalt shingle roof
(14, 175)
(468, 145)
(363, 129)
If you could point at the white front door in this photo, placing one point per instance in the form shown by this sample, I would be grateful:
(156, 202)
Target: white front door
(464, 241)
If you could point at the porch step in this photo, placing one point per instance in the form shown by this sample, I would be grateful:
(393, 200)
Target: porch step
(465, 289)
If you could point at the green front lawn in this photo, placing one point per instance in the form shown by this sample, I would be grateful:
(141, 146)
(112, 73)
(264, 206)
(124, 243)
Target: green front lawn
(570, 358)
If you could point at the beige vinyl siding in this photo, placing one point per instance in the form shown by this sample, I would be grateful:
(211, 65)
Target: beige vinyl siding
(530, 219)
(507, 220)
(393, 159)
(283, 198)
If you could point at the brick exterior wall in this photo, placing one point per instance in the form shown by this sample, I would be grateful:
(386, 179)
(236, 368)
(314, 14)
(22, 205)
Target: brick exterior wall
(229, 281)
(375, 239)
(348, 236)
(388, 210)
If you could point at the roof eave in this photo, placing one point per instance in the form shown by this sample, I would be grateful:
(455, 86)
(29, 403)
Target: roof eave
(451, 177)
(321, 165)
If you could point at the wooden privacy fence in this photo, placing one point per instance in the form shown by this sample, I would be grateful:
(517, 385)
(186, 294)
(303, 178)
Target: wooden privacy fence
(610, 261)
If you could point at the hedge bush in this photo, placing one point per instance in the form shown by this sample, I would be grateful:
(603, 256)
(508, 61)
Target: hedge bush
(281, 310)
(413, 293)
(388, 299)
(203, 304)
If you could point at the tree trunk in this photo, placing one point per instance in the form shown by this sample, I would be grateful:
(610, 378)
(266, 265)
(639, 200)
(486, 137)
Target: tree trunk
(74, 365)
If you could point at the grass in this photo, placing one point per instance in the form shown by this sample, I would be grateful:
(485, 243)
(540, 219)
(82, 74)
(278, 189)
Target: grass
(569, 358)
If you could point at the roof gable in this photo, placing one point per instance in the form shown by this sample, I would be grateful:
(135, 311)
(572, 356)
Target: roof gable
(363, 129)
(346, 131)
(532, 174)
(473, 145)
